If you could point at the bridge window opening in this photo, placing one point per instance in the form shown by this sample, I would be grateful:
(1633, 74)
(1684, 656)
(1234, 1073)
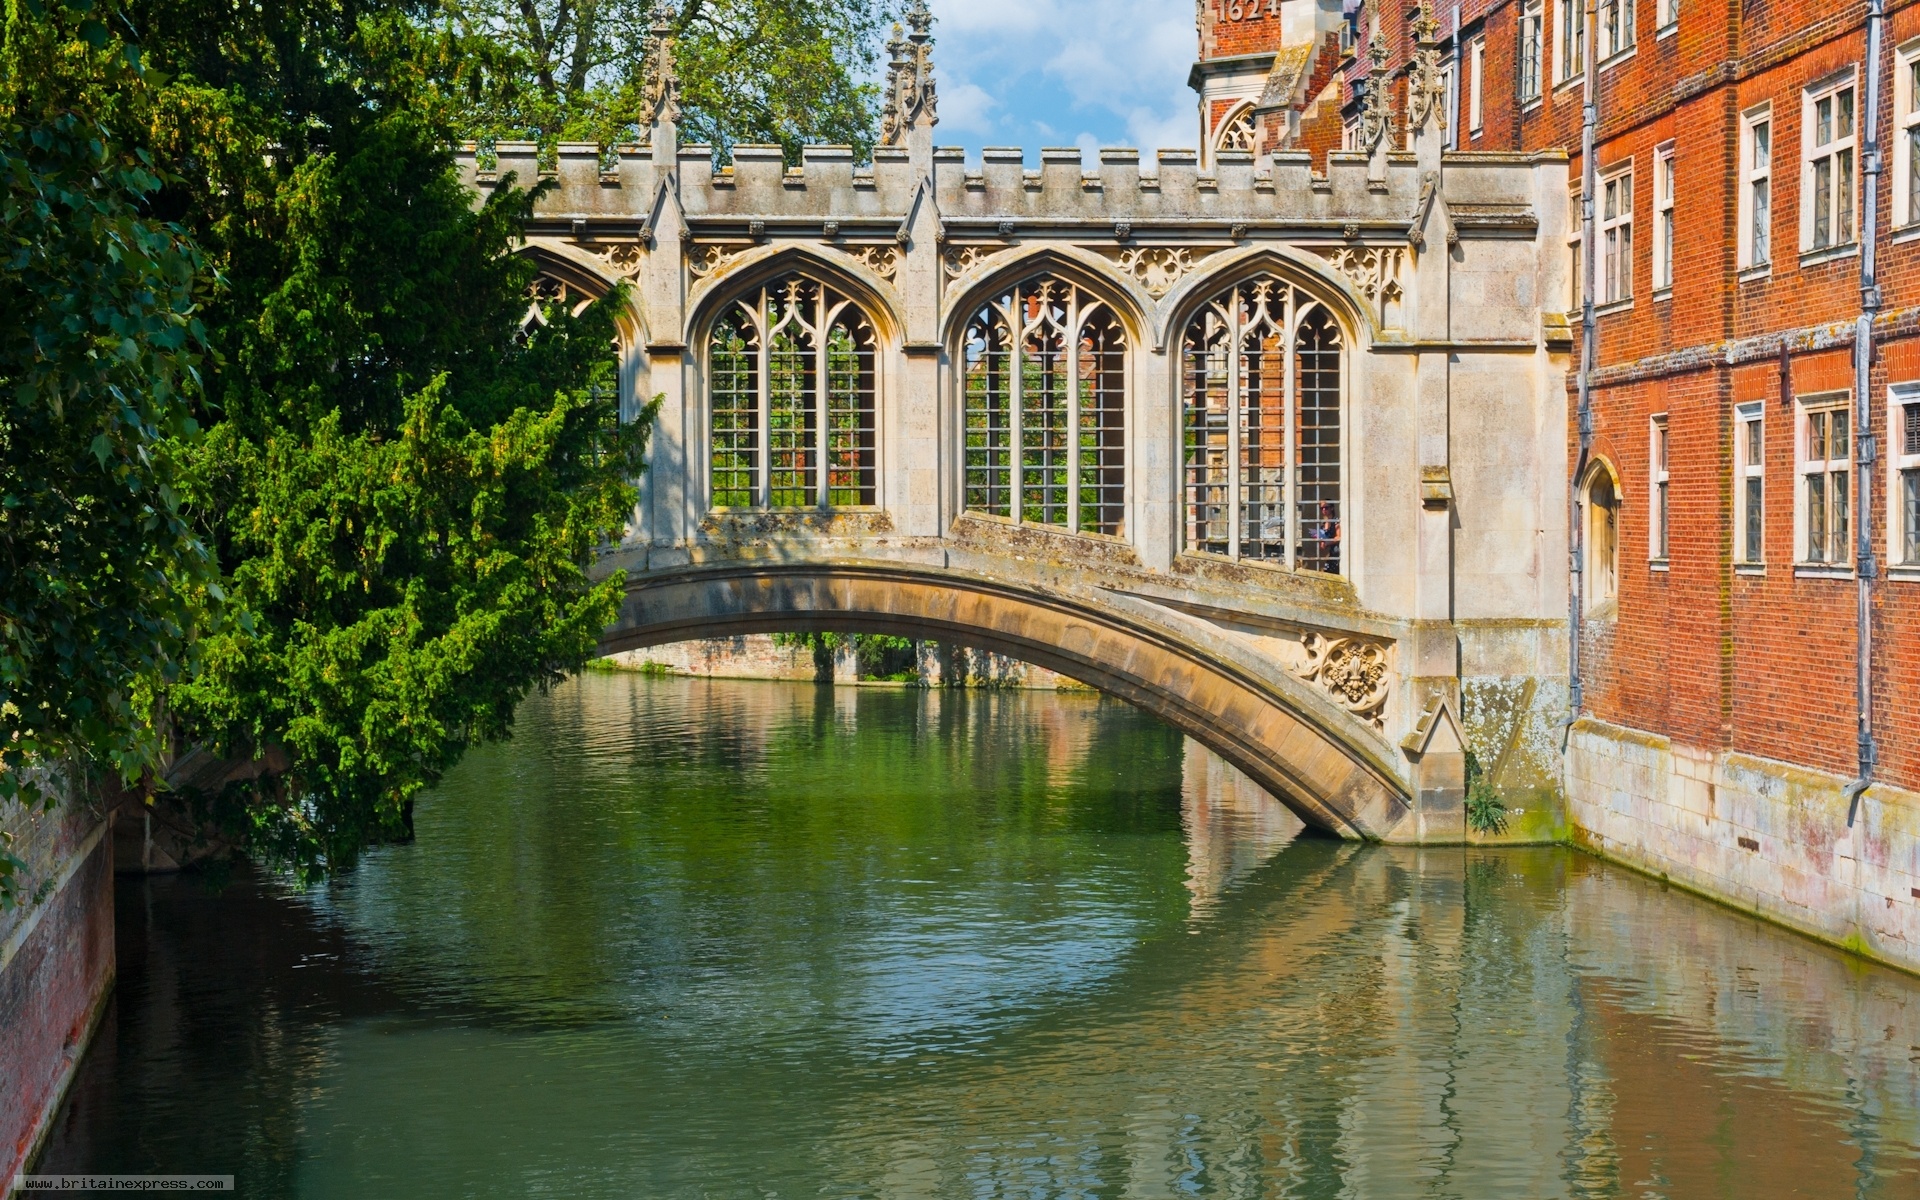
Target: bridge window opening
(1045, 409)
(791, 394)
(1262, 428)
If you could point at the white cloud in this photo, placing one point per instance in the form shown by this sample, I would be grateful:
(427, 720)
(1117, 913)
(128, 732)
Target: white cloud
(1114, 69)
(966, 108)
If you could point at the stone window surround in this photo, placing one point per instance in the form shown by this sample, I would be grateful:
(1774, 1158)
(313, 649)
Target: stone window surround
(1614, 25)
(1664, 226)
(1906, 132)
(1756, 180)
(1476, 74)
(1659, 494)
(1569, 41)
(1749, 469)
(1900, 398)
(1530, 57)
(1614, 231)
(1805, 469)
(1842, 150)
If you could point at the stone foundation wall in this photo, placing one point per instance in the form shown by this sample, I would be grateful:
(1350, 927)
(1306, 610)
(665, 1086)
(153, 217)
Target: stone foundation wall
(1758, 834)
(56, 967)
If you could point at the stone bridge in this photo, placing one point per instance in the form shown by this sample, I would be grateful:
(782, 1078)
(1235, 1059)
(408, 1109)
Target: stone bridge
(1277, 455)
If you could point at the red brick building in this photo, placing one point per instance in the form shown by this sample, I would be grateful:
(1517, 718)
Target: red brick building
(1721, 502)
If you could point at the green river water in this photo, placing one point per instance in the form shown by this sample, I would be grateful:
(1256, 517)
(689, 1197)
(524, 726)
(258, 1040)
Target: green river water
(708, 939)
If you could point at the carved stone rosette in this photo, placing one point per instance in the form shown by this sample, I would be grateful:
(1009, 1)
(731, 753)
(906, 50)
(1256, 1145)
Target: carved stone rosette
(958, 260)
(622, 259)
(1352, 671)
(883, 261)
(705, 259)
(1158, 268)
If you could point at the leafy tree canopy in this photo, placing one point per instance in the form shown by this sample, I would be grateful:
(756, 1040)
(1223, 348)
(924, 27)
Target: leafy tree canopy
(102, 581)
(754, 71)
(403, 484)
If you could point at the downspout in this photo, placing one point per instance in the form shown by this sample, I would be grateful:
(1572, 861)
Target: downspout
(1589, 330)
(1864, 446)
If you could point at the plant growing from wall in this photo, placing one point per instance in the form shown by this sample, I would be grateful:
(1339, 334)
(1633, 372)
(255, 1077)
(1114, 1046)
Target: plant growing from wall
(1485, 812)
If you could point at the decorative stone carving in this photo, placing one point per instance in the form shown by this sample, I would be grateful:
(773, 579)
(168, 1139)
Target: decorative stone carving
(1426, 87)
(883, 261)
(1376, 110)
(1374, 271)
(958, 260)
(622, 259)
(910, 91)
(1158, 268)
(704, 260)
(1237, 134)
(660, 97)
(1352, 671)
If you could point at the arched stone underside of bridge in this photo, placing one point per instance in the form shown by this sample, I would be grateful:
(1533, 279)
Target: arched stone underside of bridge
(1332, 782)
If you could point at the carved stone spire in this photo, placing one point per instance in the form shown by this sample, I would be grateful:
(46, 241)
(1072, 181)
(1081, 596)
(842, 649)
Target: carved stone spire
(1376, 109)
(661, 94)
(1426, 87)
(910, 94)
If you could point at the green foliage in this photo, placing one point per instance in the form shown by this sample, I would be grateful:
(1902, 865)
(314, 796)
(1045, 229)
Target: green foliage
(404, 485)
(785, 71)
(102, 580)
(1485, 812)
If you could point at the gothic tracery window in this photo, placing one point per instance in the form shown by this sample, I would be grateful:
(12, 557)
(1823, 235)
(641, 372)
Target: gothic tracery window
(1237, 133)
(1261, 421)
(791, 392)
(1044, 410)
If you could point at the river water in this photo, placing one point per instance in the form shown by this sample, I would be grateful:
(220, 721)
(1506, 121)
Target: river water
(708, 939)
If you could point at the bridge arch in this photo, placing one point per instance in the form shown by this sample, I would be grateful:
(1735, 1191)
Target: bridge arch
(1335, 783)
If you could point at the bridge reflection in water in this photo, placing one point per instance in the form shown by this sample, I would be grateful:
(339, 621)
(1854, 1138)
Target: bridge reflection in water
(715, 939)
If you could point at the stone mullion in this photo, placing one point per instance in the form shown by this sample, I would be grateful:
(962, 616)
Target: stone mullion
(763, 401)
(822, 398)
(1289, 470)
(1236, 418)
(1016, 446)
(1070, 343)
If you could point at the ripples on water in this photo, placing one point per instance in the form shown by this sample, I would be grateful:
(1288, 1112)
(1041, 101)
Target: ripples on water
(740, 939)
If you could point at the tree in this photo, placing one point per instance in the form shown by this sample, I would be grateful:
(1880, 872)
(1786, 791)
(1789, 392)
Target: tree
(102, 580)
(785, 71)
(404, 484)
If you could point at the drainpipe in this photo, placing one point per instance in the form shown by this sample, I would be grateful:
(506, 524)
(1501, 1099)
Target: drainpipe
(1589, 330)
(1864, 447)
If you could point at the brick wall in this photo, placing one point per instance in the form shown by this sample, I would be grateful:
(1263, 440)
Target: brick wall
(56, 967)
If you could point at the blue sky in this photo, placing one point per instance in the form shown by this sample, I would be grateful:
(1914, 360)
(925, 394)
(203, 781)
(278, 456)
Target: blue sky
(1086, 73)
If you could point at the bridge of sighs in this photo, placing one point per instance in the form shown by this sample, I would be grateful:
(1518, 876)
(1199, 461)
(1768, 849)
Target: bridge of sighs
(1278, 455)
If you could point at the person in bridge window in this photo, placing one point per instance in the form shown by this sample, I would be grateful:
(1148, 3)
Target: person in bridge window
(1323, 541)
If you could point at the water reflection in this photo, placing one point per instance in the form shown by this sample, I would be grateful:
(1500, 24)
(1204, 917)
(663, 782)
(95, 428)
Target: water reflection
(734, 939)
